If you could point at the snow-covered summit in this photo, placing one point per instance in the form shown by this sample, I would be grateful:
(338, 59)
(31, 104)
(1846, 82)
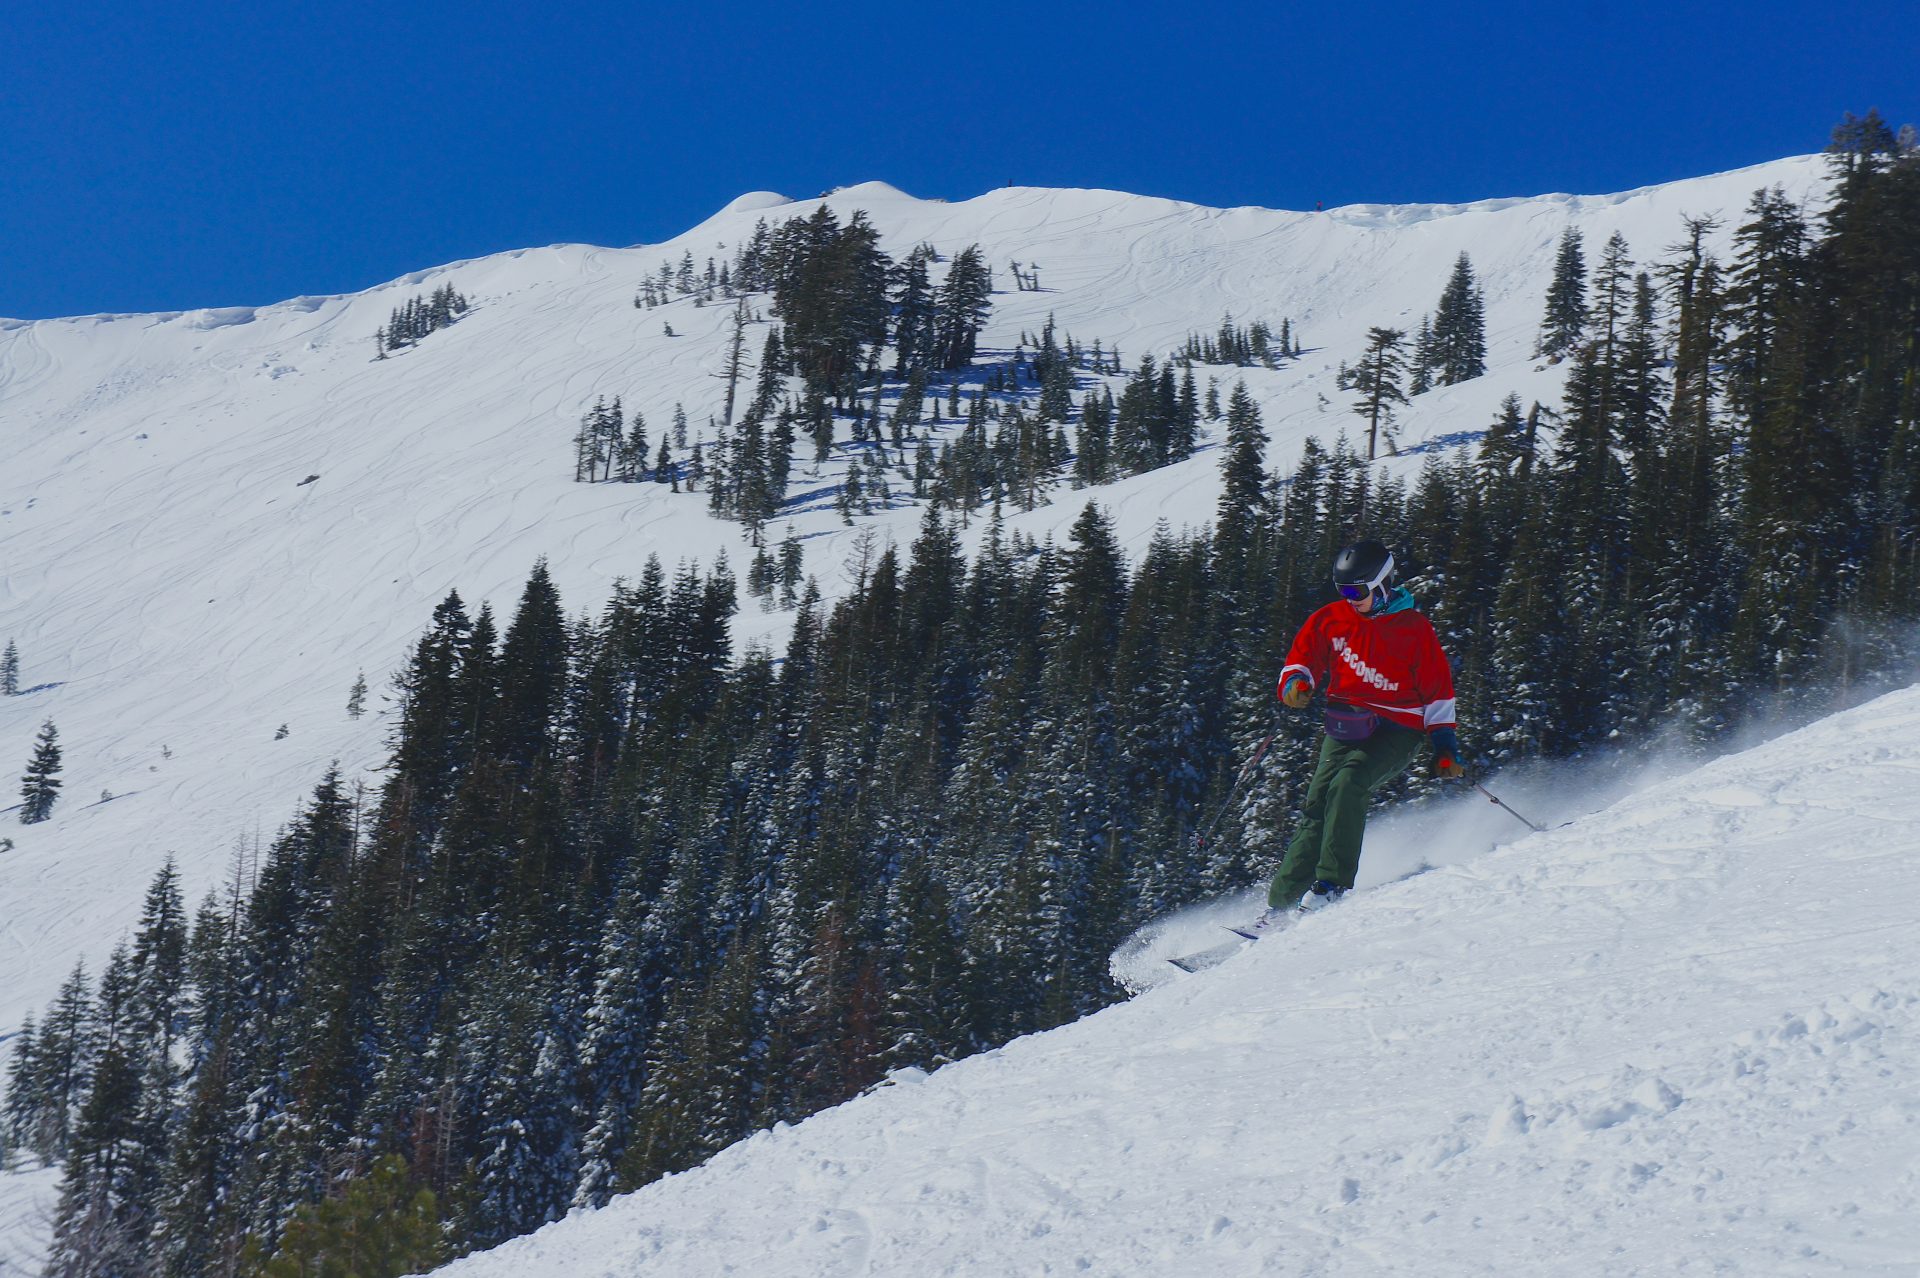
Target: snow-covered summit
(755, 202)
(1678, 1036)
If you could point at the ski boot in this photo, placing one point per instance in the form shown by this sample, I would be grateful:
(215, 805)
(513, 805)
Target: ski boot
(1320, 896)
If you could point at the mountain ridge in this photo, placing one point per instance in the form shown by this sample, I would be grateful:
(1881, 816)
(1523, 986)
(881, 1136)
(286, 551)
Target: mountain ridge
(762, 202)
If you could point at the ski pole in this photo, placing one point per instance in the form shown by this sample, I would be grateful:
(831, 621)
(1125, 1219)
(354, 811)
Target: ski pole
(1537, 829)
(1246, 770)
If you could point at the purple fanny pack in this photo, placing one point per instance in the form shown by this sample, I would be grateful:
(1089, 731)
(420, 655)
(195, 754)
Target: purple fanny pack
(1349, 723)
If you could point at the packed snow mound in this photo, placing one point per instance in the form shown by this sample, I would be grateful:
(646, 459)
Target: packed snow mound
(875, 191)
(755, 201)
(1679, 1036)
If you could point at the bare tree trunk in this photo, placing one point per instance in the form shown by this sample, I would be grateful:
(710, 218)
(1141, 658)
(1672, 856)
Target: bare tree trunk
(734, 357)
(1373, 406)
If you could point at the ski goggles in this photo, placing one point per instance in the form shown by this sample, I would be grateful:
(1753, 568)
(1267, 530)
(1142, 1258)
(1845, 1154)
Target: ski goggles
(1358, 590)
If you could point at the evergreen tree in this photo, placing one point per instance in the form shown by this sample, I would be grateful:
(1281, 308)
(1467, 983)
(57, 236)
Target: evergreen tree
(63, 1064)
(155, 1023)
(914, 316)
(1142, 425)
(791, 572)
(10, 671)
(965, 299)
(1243, 469)
(1377, 378)
(926, 1015)
(97, 1230)
(532, 673)
(1093, 460)
(20, 1112)
(521, 1080)
(633, 449)
(1565, 322)
(1420, 370)
(41, 784)
(1459, 334)
(383, 1225)
(1791, 469)
(357, 696)
(663, 472)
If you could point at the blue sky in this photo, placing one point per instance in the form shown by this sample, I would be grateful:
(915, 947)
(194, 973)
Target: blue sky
(163, 155)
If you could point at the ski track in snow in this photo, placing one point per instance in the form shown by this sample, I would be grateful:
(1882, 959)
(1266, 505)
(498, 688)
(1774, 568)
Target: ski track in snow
(171, 583)
(1681, 1036)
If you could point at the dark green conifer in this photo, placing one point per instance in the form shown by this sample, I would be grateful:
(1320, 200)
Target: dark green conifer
(1377, 378)
(532, 673)
(1565, 322)
(1458, 350)
(40, 787)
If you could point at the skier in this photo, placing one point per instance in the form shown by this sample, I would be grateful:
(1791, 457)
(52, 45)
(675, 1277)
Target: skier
(1390, 687)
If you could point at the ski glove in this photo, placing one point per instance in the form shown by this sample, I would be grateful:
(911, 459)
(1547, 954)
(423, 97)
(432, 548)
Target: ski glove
(1296, 692)
(1446, 754)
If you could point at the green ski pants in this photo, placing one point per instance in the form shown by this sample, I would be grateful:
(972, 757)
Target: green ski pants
(1334, 818)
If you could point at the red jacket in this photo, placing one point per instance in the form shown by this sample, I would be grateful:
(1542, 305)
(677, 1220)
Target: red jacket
(1389, 662)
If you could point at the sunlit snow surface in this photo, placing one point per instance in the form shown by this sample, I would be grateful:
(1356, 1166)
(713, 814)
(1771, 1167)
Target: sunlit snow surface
(27, 1197)
(177, 592)
(1679, 1036)
(1413, 838)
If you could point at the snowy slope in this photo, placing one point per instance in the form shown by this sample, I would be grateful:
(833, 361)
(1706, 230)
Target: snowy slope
(27, 1198)
(177, 592)
(1681, 1036)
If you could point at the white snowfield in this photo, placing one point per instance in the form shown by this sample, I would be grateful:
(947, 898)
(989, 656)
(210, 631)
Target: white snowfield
(27, 1199)
(1681, 1036)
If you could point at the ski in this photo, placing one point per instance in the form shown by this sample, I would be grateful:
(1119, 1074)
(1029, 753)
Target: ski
(1201, 960)
(1194, 964)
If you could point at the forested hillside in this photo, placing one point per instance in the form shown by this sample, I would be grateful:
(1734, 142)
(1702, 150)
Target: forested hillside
(624, 890)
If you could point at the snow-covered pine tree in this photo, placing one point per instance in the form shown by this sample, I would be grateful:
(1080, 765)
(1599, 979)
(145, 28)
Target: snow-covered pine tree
(97, 1229)
(1565, 321)
(382, 1221)
(965, 298)
(914, 314)
(20, 1110)
(1242, 515)
(633, 449)
(40, 787)
(532, 673)
(1459, 328)
(792, 571)
(1421, 366)
(63, 1064)
(1377, 378)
